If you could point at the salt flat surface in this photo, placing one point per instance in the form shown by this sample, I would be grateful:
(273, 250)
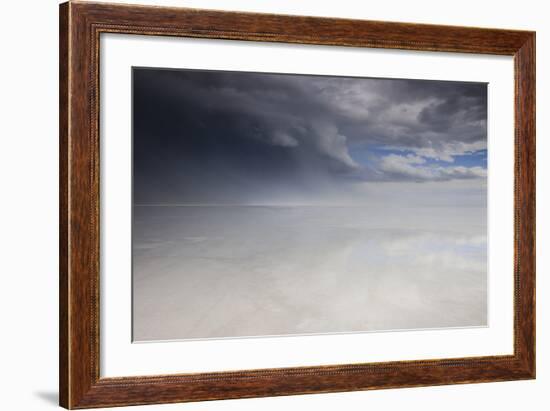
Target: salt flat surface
(236, 271)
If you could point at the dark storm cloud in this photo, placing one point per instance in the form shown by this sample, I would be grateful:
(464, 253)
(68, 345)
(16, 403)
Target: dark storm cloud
(206, 137)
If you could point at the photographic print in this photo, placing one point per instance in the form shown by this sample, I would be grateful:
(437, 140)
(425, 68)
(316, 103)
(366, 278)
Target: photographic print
(289, 204)
(315, 189)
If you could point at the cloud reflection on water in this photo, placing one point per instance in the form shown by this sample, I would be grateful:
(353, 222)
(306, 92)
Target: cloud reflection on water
(213, 272)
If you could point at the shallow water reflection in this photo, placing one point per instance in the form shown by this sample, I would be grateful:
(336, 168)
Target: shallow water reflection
(212, 272)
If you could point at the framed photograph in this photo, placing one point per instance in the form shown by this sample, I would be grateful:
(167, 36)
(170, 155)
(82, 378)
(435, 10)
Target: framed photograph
(259, 205)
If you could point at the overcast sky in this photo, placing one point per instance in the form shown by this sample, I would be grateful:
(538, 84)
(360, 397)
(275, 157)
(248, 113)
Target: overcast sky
(213, 137)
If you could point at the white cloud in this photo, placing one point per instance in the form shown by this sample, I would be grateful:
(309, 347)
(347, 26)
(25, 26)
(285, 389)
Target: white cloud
(413, 167)
(464, 172)
(405, 166)
(332, 143)
(447, 151)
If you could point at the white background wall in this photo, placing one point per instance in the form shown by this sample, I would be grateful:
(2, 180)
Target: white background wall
(28, 210)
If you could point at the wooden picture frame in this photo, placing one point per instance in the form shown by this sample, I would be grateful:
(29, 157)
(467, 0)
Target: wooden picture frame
(80, 27)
